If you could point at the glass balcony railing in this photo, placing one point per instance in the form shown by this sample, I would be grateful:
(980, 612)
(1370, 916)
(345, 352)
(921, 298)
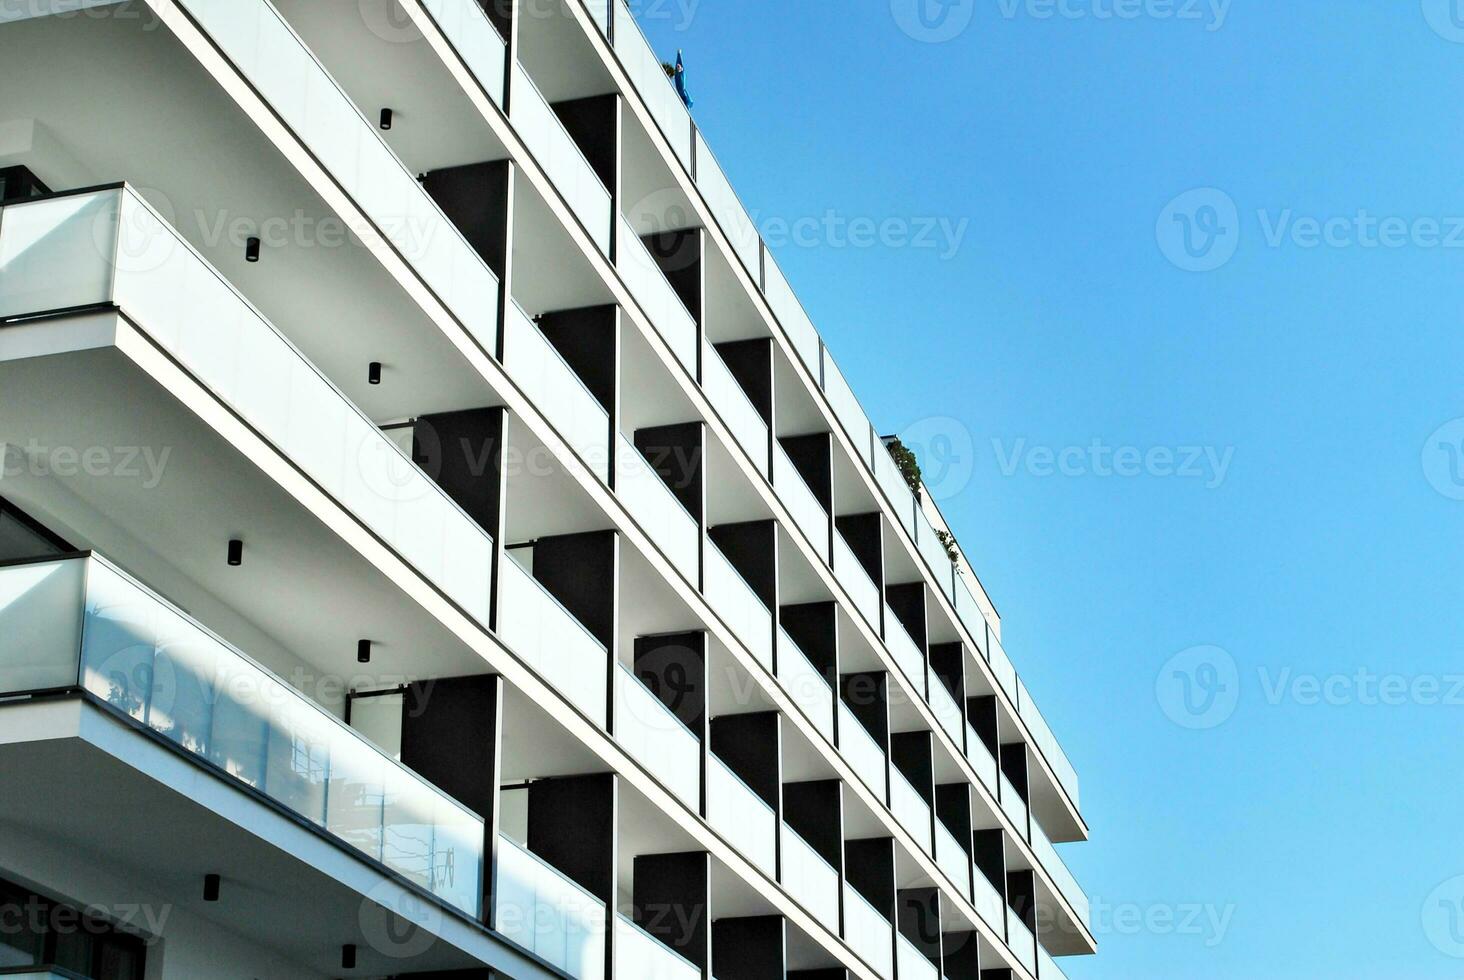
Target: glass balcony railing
(868, 933)
(791, 314)
(639, 954)
(1021, 941)
(911, 964)
(109, 246)
(805, 684)
(548, 638)
(863, 753)
(280, 66)
(1014, 806)
(970, 612)
(910, 809)
(476, 40)
(657, 509)
(561, 158)
(945, 709)
(725, 206)
(1001, 665)
(645, 71)
(856, 581)
(892, 482)
(645, 280)
(952, 859)
(548, 914)
(648, 730)
(600, 13)
(847, 410)
(536, 367)
(81, 622)
(741, 816)
(907, 653)
(810, 879)
(988, 901)
(732, 404)
(934, 553)
(981, 760)
(807, 512)
(1046, 742)
(1047, 968)
(1066, 883)
(734, 601)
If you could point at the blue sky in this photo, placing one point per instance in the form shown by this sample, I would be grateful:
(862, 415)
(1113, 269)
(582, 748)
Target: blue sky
(1313, 810)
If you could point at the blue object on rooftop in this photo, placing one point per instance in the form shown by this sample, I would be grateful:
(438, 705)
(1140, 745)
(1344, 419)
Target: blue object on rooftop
(681, 81)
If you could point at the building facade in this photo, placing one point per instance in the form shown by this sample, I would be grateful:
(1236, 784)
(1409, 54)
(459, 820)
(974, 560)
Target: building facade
(434, 540)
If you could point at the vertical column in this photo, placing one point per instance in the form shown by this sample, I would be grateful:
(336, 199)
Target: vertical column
(752, 548)
(681, 256)
(675, 668)
(751, 364)
(754, 948)
(672, 900)
(907, 602)
(572, 825)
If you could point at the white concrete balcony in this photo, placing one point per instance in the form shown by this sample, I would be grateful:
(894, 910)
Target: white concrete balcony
(868, 933)
(656, 738)
(1021, 941)
(981, 760)
(733, 600)
(1046, 743)
(548, 914)
(908, 655)
(863, 753)
(953, 860)
(653, 505)
(649, 79)
(741, 816)
(911, 964)
(989, 903)
(810, 879)
(946, 711)
(807, 512)
(733, 405)
(805, 684)
(1014, 807)
(856, 581)
(910, 810)
(641, 955)
(548, 638)
(1057, 869)
(648, 284)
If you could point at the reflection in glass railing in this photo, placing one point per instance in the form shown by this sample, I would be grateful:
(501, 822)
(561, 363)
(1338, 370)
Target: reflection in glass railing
(856, 581)
(548, 638)
(1066, 883)
(551, 384)
(645, 71)
(907, 653)
(135, 651)
(741, 816)
(640, 955)
(910, 809)
(868, 933)
(654, 293)
(733, 599)
(732, 404)
(277, 63)
(476, 40)
(810, 879)
(911, 964)
(862, 753)
(807, 512)
(952, 859)
(1046, 743)
(1014, 806)
(561, 158)
(805, 684)
(548, 914)
(651, 733)
(109, 245)
(1021, 941)
(656, 508)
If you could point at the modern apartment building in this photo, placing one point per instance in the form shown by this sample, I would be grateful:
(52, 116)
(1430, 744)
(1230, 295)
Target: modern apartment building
(435, 542)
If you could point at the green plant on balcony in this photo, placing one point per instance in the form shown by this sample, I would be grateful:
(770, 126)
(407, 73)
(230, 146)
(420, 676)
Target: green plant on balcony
(952, 549)
(909, 466)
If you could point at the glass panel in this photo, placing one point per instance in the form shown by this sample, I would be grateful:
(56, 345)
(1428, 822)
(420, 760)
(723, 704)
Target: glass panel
(970, 612)
(741, 816)
(734, 600)
(57, 254)
(906, 652)
(846, 408)
(868, 933)
(542, 373)
(1047, 968)
(732, 404)
(790, 313)
(807, 512)
(40, 625)
(550, 640)
(892, 482)
(653, 291)
(1014, 806)
(379, 718)
(1001, 666)
(559, 155)
(910, 809)
(476, 40)
(862, 752)
(933, 552)
(856, 581)
(947, 712)
(647, 729)
(1046, 743)
(727, 208)
(657, 509)
(640, 955)
(912, 964)
(809, 878)
(988, 901)
(953, 860)
(981, 759)
(1021, 941)
(649, 78)
(1057, 869)
(805, 684)
(547, 914)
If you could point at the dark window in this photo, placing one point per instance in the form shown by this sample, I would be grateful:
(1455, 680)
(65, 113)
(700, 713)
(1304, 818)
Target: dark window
(35, 931)
(23, 537)
(18, 184)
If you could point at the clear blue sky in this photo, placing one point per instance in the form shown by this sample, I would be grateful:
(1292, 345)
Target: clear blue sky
(1322, 830)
